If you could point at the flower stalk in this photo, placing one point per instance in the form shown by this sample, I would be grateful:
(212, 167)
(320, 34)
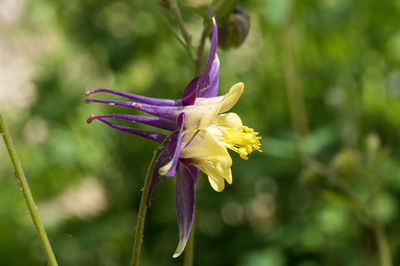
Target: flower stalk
(137, 246)
(383, 246)
(189, 250)
(176, 11)
(19, 174)
(200, 50)
(294, 91)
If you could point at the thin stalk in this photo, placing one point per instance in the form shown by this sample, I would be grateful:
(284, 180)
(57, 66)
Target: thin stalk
(137, 245)
(381, 240)
(186, 36)
(292, 79)
(297, 109)
(200, 50)
(19, 174)
(173, 31)
(189, 250)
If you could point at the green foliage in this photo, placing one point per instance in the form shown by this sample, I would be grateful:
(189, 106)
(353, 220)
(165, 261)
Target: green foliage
(306, 200)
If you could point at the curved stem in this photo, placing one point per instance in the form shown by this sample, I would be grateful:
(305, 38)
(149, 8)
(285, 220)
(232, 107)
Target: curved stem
(19, 174)
(137, 245)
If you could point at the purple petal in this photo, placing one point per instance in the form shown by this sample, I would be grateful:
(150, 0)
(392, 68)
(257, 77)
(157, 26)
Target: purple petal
(174, 147)
(151, 121)
(194, 171)
(211, 55)
(162, 158)
(184, 200)
(168, 112)
(189, 93)
(158, 137)
(212, 88)
(142, 99)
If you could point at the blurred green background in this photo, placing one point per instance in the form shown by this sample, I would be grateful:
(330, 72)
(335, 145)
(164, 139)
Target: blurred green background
(322, 86)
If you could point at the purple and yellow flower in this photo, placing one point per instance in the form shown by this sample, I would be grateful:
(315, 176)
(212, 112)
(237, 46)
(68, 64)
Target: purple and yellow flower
(201, 132)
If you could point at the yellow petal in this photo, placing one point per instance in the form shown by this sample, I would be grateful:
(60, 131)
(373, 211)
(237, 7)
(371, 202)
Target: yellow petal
(201, 145)
(228, 120)
(216, 173)
(232, 97)
(204, 111)
(225, 172)
(216, 179)
(217, 184)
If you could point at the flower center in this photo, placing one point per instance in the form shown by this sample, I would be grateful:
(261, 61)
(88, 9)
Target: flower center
(243, 140)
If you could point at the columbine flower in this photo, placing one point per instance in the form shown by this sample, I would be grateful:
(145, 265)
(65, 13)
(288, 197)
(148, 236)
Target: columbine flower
(202, 132)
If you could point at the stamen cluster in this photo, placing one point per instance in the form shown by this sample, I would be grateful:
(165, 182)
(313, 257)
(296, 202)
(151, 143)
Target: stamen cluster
(243, 140)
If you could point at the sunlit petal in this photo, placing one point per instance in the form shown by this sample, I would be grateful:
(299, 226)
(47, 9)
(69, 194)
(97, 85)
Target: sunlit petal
(228, 120)
(232, 97)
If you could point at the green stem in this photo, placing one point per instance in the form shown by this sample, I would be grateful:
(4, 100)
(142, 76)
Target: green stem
(173, 31)
(383, 247)
(19, 173)
(189, 250)
(175, 9)
(293, 82)
(294, 91)
(200, 50)
(143, 207)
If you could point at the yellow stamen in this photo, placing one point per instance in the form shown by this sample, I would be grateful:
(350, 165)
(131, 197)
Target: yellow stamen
(243, 140)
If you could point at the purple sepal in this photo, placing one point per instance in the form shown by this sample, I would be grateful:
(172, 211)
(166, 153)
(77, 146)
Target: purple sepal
(168, 112)
(194, 171)
(174, 145)
(158, 137)
(184, 200)
(161, 160)
(189, 93)
(151, 121)
(192, 89)
(211, 55)
(211, 90)
(142, 99)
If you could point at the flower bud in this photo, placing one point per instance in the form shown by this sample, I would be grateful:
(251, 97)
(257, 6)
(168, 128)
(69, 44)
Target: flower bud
(373, 144)
(233, 29)
(346, 162)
